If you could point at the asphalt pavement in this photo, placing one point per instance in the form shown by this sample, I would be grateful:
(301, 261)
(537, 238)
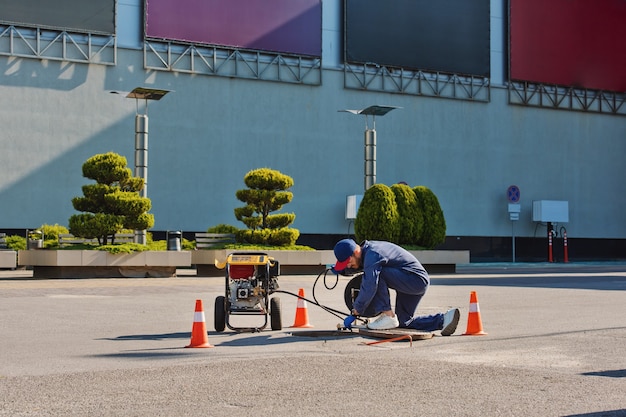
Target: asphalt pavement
(555, 346)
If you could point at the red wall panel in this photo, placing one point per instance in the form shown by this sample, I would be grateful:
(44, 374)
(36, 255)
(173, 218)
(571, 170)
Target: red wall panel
(579, 43)
(289, 26)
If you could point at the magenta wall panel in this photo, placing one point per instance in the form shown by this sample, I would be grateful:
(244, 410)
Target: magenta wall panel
(287, 26)
(579, 43)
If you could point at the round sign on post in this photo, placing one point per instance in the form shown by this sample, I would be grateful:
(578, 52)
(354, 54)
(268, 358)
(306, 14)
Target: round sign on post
(513, 194)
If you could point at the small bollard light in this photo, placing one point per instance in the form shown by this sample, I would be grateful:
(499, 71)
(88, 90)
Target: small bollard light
(174, 240)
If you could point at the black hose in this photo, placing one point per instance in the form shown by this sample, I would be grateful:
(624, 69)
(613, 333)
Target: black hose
(336, 313)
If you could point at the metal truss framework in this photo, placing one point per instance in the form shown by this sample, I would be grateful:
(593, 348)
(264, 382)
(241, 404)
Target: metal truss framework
(374, 77)
(58, 45)
(566, 98)
(233, 63)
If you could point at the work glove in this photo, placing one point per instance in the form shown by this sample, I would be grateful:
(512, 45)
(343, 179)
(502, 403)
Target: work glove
(347, 323)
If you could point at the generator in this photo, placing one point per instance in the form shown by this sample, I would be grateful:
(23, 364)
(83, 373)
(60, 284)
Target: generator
(251, 277)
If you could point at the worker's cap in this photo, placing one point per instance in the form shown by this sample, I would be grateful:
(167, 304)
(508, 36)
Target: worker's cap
(344, 249)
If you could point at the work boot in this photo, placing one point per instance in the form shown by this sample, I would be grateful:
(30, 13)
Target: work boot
(450, 321)
(384, 322)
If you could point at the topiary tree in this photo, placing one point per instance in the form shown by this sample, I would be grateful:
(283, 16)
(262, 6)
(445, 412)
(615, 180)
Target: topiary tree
(410, 214)
(267, 192)
(113, 203)
(434, 222)
(378, 218)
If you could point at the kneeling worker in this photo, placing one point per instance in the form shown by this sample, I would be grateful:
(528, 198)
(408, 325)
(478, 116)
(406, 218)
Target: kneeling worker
(386, 265)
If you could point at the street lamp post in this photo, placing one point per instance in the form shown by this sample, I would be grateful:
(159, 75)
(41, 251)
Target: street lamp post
(370, 139)
(141, 141)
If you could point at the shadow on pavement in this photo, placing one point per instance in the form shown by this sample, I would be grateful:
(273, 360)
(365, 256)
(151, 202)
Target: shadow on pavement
(611, 413)
(591, 282)
(614, 373)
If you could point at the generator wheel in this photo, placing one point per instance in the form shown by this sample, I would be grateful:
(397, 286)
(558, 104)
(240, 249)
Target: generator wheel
(220, 313)
(275, 316)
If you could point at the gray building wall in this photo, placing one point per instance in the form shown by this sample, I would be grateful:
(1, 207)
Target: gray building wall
(210, 131)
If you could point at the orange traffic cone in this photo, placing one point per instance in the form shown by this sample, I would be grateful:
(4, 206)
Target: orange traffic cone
(474, 323)
(302, 314)
(199, 335)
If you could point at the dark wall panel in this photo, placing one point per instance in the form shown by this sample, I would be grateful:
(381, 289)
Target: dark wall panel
(578, 43)
(288, 26)
(78, 15)
(443, 35)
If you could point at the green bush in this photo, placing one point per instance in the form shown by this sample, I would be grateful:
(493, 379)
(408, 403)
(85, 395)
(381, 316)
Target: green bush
(410, 214)
(52, 232)
(188, 244)
(15, 242)
(222, 228)
(434, 222)
(411, 217)
(255, 237)
(124, 248)
(161, 245)
(280, 220)
(377, 217)
(90, 226)
(268, 237)
(283, 237)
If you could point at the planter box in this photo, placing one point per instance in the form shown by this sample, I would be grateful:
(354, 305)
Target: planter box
(101, 264)
(8, 259)
(313, 262)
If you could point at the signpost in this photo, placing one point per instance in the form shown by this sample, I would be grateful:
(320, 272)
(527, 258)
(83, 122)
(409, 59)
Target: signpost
(513, 195)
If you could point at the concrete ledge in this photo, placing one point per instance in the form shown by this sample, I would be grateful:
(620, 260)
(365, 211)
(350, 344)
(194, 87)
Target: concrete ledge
(314, 262)
(8, 259)
(101, 264)
(442, 261)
